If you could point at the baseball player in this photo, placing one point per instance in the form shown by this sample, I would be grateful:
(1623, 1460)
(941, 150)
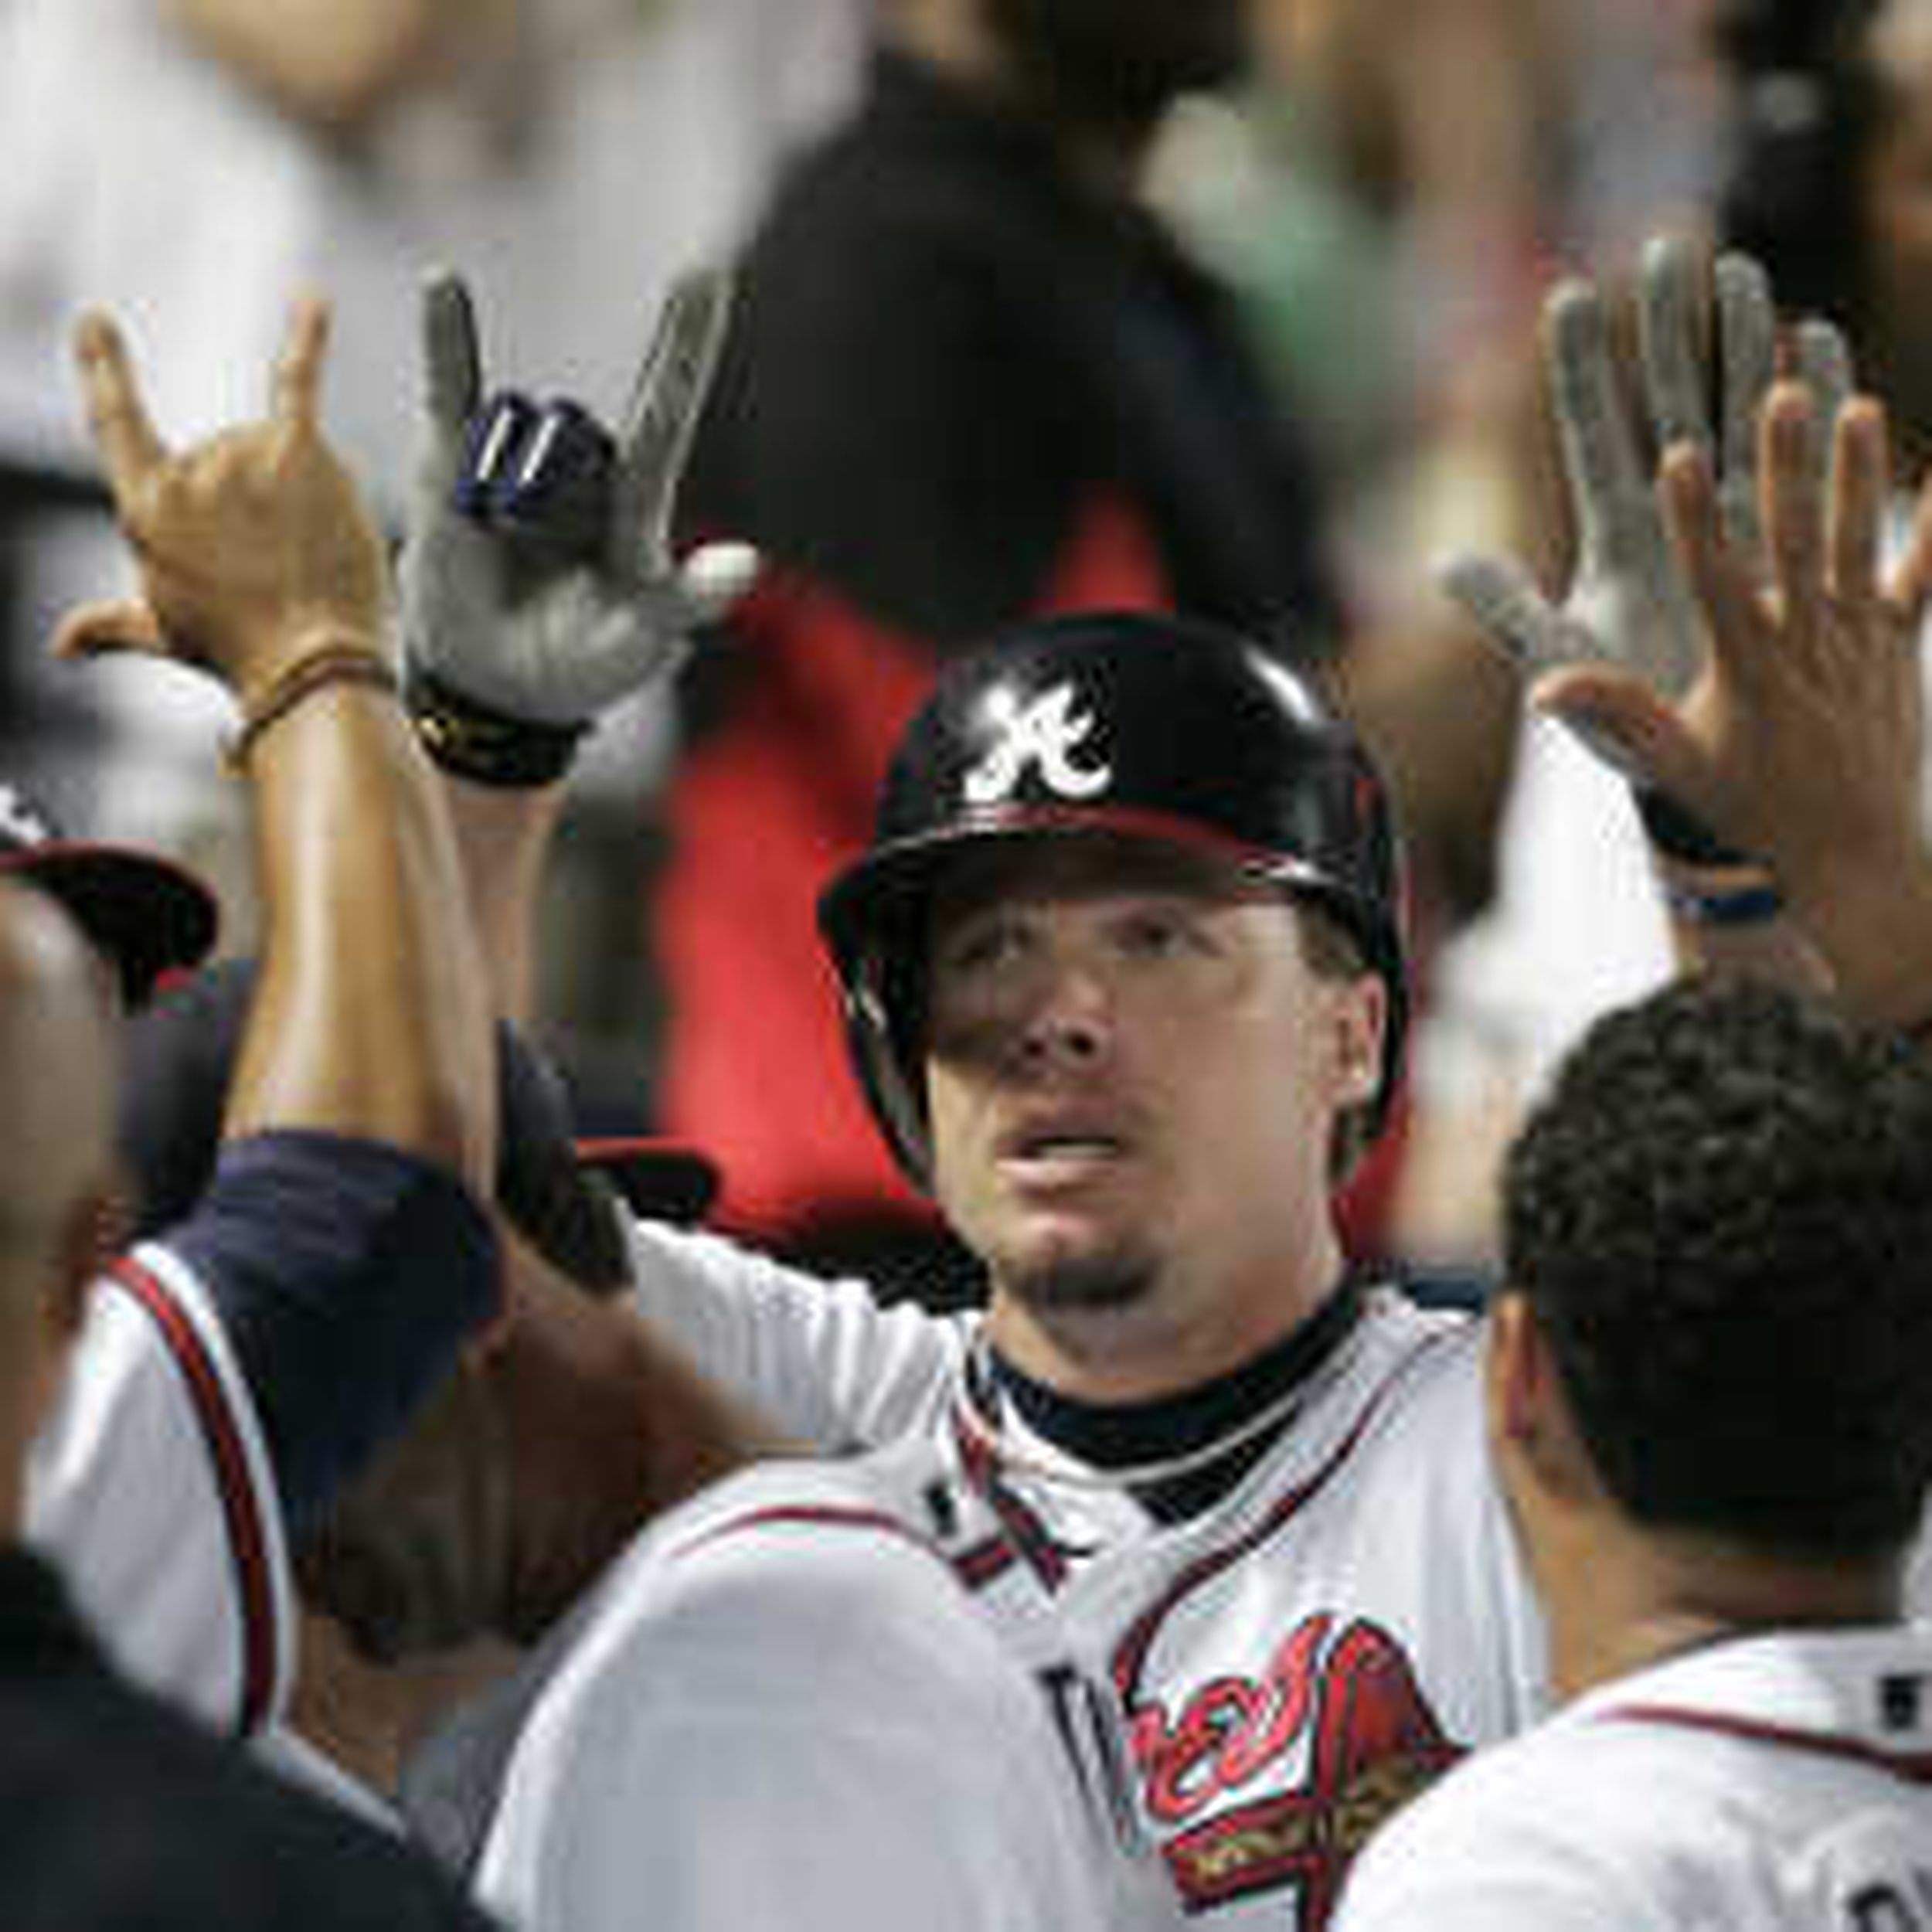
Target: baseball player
(1127, 992)
(516, 1481)
(783, 1709)
(125, 1811)
(1717, 1524)
(226, 1377)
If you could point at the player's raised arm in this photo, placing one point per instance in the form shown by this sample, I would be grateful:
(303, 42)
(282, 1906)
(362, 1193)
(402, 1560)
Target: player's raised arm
(360, 1125)
(260, 564)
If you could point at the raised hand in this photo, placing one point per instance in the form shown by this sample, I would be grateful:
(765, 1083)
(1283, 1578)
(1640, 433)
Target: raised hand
(255, 548)
(1628, 604)
(1802, 739)
(539, 581)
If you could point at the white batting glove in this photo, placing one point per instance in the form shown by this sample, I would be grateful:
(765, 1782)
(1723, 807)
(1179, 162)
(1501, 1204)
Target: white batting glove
(537, 575)
(1628, 604)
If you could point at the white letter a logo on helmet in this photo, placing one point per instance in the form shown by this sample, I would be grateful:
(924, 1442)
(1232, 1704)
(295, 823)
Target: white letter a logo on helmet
(1045, 733)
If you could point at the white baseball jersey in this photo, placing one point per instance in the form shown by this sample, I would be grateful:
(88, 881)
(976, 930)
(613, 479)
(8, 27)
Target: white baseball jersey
(1774, 1781)
(330, 1280)
(149, 1486)
(782, 1712)
(1290, 1655)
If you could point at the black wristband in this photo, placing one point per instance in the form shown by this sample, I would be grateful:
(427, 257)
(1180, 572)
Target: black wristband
(484, 745)
(1679, 834)
(1757, 903)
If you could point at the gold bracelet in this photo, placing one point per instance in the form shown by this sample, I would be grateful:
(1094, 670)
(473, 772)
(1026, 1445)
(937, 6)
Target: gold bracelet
(332, 664)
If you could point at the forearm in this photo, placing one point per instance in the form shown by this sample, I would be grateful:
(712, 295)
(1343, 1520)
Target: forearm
(371, 1011)
(614, 1425)
(503, 836)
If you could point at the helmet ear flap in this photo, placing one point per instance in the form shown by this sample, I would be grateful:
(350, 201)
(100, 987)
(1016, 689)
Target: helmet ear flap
(882, 1031)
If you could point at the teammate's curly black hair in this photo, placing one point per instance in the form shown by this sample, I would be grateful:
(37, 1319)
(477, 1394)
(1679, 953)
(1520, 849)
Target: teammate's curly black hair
(1721, 1217)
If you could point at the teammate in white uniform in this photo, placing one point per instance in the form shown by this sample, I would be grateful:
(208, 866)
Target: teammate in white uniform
(229, 1374)
(1126, 988)
(1712, 1362)
(782, 1709)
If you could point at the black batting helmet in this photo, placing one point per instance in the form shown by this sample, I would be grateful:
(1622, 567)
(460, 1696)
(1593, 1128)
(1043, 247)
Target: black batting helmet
(1129, 724)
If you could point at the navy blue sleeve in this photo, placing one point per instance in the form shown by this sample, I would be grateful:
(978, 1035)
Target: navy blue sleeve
(346, 1274)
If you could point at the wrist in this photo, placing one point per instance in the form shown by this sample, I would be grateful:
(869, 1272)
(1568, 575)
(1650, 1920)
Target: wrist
(487, 746)
(1677, 835)
(329, 658)
(280, 651)
(1872, 922)
(1730, 899)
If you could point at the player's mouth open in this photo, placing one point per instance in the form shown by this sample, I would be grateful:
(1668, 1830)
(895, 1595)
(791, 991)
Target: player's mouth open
(1057, 1151)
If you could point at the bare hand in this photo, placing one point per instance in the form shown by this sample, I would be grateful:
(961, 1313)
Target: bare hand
(253, 546)
(1801, 739)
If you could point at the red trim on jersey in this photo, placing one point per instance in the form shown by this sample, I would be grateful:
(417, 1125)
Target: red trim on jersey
(1130, 1655)
(1026, 1535)
(240, 1504)
(1915, 1767)
(985, 1563)
(814, 1516)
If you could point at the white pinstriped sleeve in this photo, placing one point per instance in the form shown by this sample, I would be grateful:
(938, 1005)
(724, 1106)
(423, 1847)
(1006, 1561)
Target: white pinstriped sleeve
(150, 1486)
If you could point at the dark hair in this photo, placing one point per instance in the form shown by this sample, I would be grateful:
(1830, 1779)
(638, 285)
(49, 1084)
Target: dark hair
(1721, 1218)
(1809, 100)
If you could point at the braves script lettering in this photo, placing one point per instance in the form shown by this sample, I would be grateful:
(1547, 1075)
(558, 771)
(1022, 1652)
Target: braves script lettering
(1350, 1699)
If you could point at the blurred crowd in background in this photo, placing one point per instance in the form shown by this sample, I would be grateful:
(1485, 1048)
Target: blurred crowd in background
(1387, 196)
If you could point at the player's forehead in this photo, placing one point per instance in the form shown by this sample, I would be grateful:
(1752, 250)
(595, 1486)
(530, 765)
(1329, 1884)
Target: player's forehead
(1050, 869)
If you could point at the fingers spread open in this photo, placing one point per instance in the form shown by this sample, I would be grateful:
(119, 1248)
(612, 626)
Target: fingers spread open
(295, 387)
(666, 404)
(130, 451)
(714, 577)
(1748, 355)
(1794, 503)
(1911, 584)
(1599, 449)
(1510, 612)
(1671, 341)
(1720, 575)
(95, 629)
(1620, 719)
(1860, 466)
(452, 360)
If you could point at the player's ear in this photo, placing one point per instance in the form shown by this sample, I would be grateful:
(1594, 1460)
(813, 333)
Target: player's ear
(1361, 1015)
(1511, 1368)
(1529, 1416)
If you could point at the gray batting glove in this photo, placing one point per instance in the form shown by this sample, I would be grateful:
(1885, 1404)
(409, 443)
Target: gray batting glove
(550, 627)
(1628, 604)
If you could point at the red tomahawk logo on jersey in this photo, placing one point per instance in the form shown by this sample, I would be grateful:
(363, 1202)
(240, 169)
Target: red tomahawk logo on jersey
(1371, 1743)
